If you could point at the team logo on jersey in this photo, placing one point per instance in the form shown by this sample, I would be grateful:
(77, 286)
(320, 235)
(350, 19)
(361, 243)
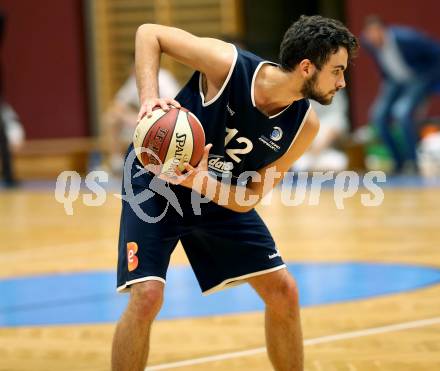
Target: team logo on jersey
(132, 259)
(276, 134)
(217, 163)
(269, 143)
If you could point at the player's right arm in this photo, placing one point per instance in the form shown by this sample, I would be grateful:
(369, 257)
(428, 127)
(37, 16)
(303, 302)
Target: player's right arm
(270, 175)
(210, 56)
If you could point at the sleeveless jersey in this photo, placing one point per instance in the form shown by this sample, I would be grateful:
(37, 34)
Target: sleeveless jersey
(243, 138)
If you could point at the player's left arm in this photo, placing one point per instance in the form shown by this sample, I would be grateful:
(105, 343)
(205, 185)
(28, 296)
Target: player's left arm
(256, 189)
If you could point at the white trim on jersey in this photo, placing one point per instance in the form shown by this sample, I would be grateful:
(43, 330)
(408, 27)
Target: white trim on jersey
(124, 287)
(253, 88)
(234, 281)
(253, 82)
(219, 93)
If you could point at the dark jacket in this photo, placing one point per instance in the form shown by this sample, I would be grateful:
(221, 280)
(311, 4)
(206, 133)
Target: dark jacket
(420, 53)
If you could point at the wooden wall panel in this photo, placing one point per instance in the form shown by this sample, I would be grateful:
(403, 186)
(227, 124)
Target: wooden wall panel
(116, 21)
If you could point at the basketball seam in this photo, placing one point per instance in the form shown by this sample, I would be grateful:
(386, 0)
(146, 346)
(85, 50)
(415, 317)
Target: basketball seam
(192, 134)
(171, 133)
(196, 119)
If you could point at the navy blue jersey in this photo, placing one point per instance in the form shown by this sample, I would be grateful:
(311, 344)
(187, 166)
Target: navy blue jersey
(243, 138)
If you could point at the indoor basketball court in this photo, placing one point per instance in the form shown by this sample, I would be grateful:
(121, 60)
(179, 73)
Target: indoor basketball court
(368, 278)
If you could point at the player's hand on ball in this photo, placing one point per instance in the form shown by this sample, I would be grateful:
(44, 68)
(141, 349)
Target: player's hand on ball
(186, 179)
(148, 105)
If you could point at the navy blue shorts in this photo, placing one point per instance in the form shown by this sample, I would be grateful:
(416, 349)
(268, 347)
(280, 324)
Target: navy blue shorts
(224, 247)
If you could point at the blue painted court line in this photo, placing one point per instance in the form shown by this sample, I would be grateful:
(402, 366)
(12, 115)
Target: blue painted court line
(411, 181)
(114, 184)
(90, 297)
(392, 181)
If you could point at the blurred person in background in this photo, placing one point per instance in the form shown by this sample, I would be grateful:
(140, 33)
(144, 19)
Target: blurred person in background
(322, 154)
(409, 62)
(13, 128)
(120, 119)
(11, 137)
(11, 131)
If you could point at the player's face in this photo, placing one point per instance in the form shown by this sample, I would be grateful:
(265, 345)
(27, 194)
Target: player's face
(323, 85)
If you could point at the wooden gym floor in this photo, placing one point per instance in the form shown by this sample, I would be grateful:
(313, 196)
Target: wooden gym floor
(38, 238)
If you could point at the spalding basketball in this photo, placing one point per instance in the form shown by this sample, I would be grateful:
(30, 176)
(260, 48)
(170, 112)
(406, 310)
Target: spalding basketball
(167, 140)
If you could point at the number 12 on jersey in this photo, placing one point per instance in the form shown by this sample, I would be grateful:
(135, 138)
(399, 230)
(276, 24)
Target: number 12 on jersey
(233, 152)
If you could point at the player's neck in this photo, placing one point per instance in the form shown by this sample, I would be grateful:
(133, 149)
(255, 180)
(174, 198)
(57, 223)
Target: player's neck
(276, 89)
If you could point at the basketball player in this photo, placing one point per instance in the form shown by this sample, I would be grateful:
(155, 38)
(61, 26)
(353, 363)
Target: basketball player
(256, 116)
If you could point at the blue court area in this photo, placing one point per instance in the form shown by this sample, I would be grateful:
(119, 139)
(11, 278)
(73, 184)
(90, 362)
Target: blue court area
(392, 181)
(90, 297)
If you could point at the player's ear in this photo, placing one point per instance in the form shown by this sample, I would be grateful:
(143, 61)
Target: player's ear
(306, 68)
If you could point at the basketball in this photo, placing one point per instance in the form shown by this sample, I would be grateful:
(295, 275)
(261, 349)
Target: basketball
(166, 140)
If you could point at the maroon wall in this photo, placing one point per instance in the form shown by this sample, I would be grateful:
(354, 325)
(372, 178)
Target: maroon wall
(364, 76)
(44, 66)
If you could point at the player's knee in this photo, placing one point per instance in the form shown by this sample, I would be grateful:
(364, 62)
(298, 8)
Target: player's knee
(284, 295)
(146, 299)
(288, 292)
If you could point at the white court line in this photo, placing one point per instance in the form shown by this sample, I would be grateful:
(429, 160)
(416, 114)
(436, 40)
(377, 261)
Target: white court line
(320, 340)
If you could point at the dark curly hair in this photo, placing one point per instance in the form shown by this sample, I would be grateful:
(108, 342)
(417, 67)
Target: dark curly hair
(315, 38)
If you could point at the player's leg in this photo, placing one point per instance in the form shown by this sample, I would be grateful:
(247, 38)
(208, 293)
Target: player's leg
(381, 116)
(227, 248)
(413, 96)
(131, 340)
(145, 247)
(283, 325)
